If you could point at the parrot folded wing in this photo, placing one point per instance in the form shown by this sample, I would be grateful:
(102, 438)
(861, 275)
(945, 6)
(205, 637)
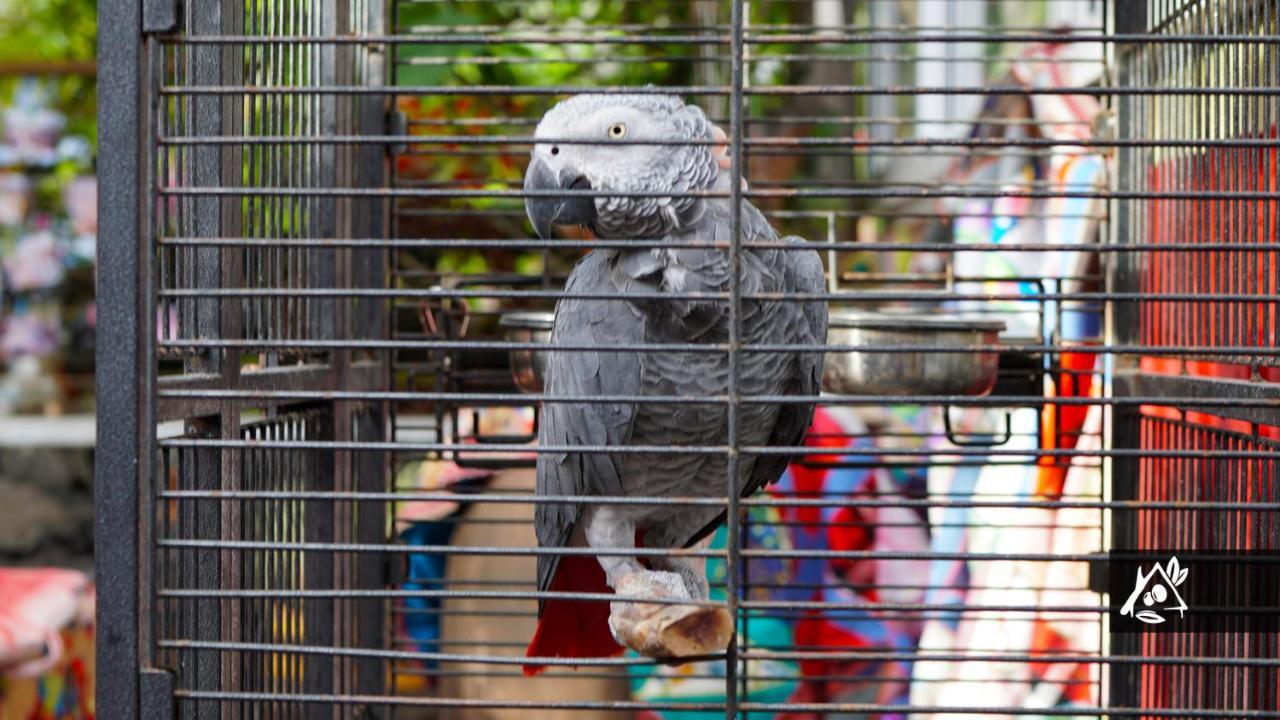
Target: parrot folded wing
(803, 275)
(580, 628)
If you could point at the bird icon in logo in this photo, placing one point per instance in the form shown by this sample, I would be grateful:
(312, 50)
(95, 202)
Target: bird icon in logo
(1157, 591)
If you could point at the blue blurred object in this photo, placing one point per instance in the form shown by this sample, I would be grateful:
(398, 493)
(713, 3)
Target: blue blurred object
(426, 572)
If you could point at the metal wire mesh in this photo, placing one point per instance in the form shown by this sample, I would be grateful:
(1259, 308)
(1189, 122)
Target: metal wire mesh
(325, 468)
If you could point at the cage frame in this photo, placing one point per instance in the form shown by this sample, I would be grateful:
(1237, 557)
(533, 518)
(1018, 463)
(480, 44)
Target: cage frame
(127, 463)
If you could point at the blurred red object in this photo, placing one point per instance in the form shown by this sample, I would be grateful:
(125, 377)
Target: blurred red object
(36, 604)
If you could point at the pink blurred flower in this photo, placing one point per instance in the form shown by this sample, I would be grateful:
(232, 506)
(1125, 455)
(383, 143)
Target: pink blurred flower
(35, 264)
(27, 334)
(16, 194)
(80, 197)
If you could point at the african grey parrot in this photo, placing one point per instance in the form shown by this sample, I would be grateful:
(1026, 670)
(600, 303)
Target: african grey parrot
(576, 628)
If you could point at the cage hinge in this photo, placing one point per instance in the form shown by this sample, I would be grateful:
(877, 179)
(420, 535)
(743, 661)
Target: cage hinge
(159, 16)
(156, 701)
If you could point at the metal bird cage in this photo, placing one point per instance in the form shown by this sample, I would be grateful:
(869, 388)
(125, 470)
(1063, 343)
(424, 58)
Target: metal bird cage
(315, 458)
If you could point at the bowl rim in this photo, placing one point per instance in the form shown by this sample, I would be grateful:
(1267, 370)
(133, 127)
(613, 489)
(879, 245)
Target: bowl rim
(528, 320)
(902, 322)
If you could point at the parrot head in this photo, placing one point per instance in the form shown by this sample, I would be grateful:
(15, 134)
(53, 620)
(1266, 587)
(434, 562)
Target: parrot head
(597, 144)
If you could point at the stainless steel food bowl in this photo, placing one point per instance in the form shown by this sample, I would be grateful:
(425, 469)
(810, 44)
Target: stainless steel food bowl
(934, 370)
(528, 367)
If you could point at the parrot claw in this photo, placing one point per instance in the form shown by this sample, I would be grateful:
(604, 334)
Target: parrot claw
(666, 631)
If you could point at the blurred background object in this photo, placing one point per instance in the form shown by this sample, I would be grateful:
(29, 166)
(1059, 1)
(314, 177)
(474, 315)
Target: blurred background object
(48, 205)
(48, 233)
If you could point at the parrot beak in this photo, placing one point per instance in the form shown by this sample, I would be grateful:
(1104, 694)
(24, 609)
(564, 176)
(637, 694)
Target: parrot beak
(546, 212)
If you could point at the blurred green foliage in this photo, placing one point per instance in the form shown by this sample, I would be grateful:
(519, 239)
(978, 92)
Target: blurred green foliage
(460, 64)
(474, 64)
(522, 64)
(63, 35)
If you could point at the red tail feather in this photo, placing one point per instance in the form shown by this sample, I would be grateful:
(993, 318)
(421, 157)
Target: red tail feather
(574, 628)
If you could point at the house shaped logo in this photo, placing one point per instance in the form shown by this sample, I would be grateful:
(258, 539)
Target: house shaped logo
(1156, 593)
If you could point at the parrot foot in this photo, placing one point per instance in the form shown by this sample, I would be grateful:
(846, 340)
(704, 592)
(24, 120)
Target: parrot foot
(666, 631)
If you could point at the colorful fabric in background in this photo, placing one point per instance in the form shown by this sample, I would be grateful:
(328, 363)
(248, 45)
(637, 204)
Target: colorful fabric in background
(46, 644)
(995, 530)
(845, 585)
(849, 584)
(1072, 223)
(63, 692)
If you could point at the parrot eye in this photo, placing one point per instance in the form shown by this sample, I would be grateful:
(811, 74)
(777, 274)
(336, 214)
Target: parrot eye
(617, 131)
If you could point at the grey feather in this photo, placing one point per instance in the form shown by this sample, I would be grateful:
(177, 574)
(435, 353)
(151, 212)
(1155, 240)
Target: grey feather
(584, 373)
(803, 273)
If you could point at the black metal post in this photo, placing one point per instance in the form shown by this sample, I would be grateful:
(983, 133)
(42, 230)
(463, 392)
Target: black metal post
(123, 448)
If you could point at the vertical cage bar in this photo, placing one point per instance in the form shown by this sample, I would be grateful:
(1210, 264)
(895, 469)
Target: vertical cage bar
(733, 563)
(124, 431)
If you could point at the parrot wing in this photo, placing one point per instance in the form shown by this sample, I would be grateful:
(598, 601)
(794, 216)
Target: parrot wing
(585, 373)
(802, 274)
(568, 627)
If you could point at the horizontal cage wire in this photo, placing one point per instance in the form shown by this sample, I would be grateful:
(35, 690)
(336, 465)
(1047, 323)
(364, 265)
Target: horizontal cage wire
(339, 421)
